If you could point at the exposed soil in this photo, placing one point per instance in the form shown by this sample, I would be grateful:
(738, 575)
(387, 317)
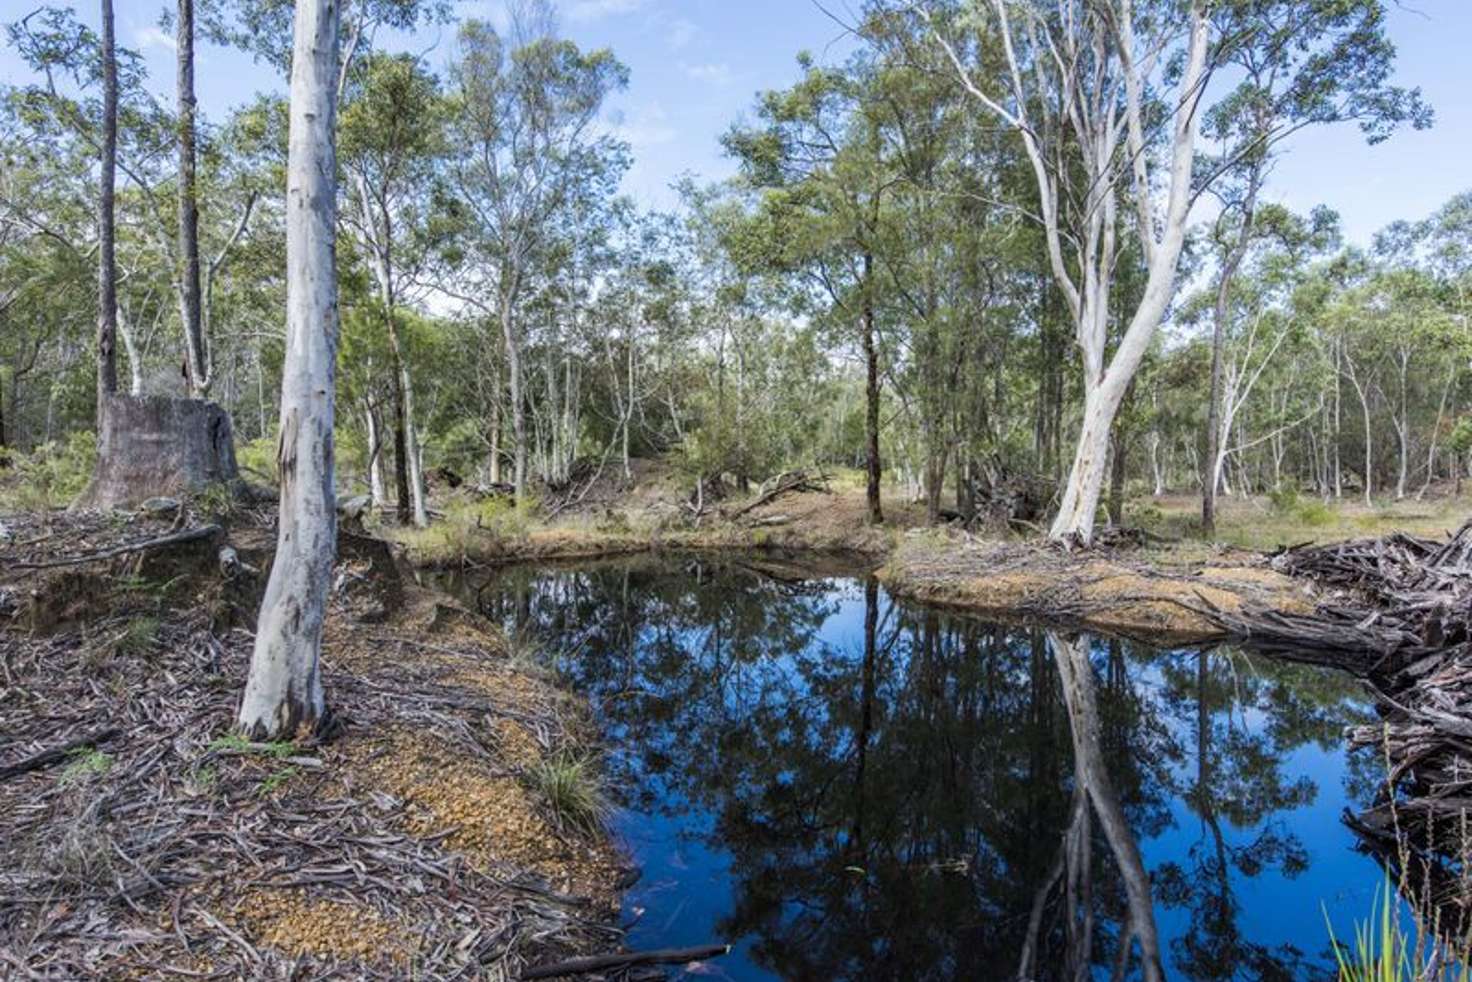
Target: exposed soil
(412, 843)
(1115, 592)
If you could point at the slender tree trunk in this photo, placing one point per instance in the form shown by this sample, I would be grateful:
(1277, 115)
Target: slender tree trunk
(1451, 377)
(518, 402)
(871, 402)
(377, 494)
(413, 474)
(1220, 313)
(196, 358)
(107, 272)
(496, 427)
(135, 360)
(283, 695)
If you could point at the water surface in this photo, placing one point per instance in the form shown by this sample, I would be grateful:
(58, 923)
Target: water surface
(846, 785)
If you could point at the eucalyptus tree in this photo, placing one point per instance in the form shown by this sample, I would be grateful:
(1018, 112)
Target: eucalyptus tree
(524, 130)
(815, 161)
(392, 141)
(1252, 320)
(283, 694)
(1298, 64)
(1075, 85)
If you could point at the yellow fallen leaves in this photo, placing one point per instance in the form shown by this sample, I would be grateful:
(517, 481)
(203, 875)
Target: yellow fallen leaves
(298, 925)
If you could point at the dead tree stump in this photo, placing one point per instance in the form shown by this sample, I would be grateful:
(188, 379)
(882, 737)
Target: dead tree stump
(158, 445)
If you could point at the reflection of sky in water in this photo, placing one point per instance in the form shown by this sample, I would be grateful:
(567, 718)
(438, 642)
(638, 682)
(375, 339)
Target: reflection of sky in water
(687, 887)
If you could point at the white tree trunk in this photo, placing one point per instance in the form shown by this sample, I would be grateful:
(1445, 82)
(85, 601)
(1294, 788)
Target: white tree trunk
(283, 695)
(378, 495)
(135, 359)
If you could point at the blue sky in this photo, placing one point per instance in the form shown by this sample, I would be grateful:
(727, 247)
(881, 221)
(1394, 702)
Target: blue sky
(696, 66)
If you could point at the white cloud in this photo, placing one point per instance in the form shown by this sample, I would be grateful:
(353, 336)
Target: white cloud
(681, 32)
(586, 10)
(715, 74)
(154, 36)
(648, 127)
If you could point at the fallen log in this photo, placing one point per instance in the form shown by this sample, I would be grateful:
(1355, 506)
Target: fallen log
(172, 539)
(56, 755)
(789, 482)
(599, 963)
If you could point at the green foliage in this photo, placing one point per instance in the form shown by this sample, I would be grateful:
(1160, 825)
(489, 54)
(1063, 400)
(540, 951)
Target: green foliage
(52, 475)
(138, 638)
(570, 785)
(1382, 947)
(1314, 514)
(257, 458)
(217, 500)
(237, 744)
(275, 780)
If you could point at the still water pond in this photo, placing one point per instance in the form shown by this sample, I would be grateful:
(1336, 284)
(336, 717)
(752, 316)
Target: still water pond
(847, 785)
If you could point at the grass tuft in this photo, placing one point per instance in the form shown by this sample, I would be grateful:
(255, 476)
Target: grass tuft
(571, 787)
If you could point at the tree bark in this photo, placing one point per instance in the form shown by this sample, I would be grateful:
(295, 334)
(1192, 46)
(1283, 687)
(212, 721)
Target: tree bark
(283, 695)
(196, 358)
(871, 401)
(518, 402)
(377, 494)
(107, 272)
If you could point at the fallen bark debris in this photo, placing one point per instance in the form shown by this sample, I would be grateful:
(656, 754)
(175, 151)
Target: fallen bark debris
(601, 963)
(1398, 613)
(158, 542)
(56, 755)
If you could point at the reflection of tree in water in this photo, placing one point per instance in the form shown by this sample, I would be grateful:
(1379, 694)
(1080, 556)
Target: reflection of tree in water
(951, 799)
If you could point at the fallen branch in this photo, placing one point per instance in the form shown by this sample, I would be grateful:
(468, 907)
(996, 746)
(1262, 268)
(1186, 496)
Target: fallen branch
(792, 481)
(56, 754)
(175, 538)
(598, 963)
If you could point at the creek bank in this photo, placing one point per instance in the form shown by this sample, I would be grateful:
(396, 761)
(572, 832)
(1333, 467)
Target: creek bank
(1148, 595)
(415, 840)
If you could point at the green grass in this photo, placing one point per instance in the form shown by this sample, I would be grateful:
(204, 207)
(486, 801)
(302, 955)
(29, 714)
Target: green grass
(1382, 949)
(85, 763)
(1285, 519)
(570, 785)
(138, 638)
(235, 743)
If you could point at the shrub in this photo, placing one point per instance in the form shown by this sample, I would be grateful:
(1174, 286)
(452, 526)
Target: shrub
(1314, 514)
(53, 474)
(258, 458)
(1285, 500)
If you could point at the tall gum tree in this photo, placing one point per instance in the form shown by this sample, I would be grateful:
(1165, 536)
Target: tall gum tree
(283, 695)
(527, 105)
(1297, 64)
(1074, 84)
(391, 140)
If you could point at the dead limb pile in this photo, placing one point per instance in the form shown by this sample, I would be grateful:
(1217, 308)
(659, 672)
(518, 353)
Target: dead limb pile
(1399, 614)
(1397, 604)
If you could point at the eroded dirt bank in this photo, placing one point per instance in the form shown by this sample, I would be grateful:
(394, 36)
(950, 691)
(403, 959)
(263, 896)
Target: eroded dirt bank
(1112, 592)
(417, 840)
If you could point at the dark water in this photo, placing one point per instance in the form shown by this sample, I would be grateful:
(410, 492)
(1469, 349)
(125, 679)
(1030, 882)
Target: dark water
(844, 785)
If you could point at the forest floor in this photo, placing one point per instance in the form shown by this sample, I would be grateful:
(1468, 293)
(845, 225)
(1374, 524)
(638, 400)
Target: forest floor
(431, 833)
(1162, 590)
